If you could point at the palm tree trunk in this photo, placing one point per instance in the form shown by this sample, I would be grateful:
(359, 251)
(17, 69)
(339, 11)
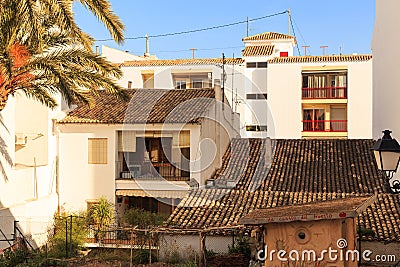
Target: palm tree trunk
(3, 101)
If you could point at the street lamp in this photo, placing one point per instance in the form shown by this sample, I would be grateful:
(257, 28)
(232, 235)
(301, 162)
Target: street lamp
(387, 157)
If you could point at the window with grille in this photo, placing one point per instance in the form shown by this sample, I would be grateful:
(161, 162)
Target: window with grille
(97, 150)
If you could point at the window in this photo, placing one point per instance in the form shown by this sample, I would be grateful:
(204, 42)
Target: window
(314, 120)
(180, 84)
(325, 85)
(256, 128)
(148, 79)
(197, 83)
(129, 84)
(321, 80)
(256, 96)
(192, 80)
(97, 150)
(261, 64)
(256, 64)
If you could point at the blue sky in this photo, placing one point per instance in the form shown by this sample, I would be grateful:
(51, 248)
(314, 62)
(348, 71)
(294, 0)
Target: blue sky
(346, 23)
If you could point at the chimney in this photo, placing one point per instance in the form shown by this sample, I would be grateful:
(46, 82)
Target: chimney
(97, 50)
(147, 53)
(217, 89)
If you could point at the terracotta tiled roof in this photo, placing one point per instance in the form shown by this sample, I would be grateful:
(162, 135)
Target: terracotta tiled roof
(315, 59)
(336, 209)
(145, 106)
(174, 62)
(268, 36)
(333, 166)
(302, 171)
(258, 50)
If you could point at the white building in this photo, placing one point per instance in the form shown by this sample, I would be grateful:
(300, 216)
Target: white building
(145, 153)
(85, 156)
(28, 176)
(386, 68)
(277, 94)
(320, 96)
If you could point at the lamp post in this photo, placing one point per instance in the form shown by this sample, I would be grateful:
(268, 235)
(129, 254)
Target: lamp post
(387, 157)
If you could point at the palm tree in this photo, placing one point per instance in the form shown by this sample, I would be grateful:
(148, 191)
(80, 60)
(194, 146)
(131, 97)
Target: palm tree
(61, 13)
(43, 59)
(101, 215)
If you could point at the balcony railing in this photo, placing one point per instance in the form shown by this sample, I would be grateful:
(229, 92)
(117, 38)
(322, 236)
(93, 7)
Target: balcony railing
(325, 126)
(147, 170)
(325, 93)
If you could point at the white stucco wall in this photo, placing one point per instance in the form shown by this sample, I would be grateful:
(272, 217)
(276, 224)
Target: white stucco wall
(186, 245)
(117, 56)
(359, 95)
(386, 68)
(285, 97)
(80, 181)
(27, 192)
(284, 100)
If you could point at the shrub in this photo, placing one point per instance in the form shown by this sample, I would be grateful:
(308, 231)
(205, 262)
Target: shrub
(57, 241)
(143, 219)
(241, 246)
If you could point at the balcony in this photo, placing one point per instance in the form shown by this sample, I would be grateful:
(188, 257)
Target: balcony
(325, 126)
(325, 93)
(147, 170)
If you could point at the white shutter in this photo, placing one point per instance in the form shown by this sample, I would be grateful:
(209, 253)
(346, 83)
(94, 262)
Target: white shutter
(127, 141)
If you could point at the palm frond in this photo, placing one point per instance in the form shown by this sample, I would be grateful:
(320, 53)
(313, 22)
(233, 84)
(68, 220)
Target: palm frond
(62, 11)
(39, 92)
(102, 10)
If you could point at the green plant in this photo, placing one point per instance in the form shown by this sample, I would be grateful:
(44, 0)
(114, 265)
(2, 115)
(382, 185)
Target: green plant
(365, 232)
(171, 253)
(44, 52)
(76, 238)
(101, 215)
(241, 246)
(210, 253)
(143, 219)
(13, 258)
(34, 258)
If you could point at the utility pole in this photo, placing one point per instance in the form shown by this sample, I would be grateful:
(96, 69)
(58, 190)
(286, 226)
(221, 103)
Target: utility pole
(323, 49)
(223, 79)
(305, 49)
(193, 49)
(288, 20)
(247, 28)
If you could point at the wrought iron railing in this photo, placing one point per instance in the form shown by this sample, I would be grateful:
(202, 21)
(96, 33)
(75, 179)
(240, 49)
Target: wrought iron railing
(151, 170)
(325, 126)
(325, 93)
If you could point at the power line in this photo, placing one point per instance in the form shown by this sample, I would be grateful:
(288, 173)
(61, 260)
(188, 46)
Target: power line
(199, 49)
(186, 50)
(301, 35)
(199, 30)
(294, 34)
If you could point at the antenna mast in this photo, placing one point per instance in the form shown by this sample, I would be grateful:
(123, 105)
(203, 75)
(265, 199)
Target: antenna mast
(323, 49)
(193, 49)
(305, 49)
(288, 11)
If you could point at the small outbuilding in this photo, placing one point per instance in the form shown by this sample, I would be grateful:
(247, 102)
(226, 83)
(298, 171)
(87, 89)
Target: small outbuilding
(312, 234)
